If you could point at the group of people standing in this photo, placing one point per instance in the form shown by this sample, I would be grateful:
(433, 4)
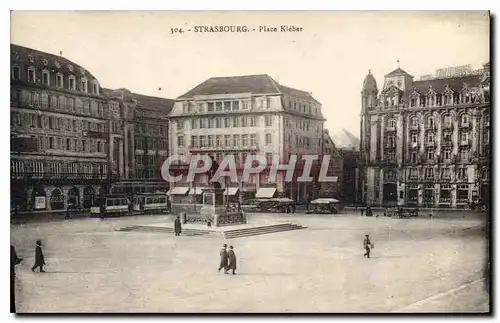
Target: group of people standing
(227, 259)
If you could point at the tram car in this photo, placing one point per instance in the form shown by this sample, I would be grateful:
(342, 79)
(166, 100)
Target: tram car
(110, 205)
(150, 202)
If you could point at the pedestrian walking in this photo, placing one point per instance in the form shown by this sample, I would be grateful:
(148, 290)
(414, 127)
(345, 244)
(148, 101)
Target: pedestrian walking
(362, 211)
(39, 259)
(293, 208)
(223, 259)
(177, 226)
(102, 211)
(232, 259)
(14, 261)
(367, 244)
(68, 216)
(209, 223)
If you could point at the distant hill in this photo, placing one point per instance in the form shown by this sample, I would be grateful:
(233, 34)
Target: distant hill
(345, 139)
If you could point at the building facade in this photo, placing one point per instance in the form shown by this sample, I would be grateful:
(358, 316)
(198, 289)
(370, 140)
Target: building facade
(348, 146)
(426, 142)
(247, 115)
(350, 176)
(72, 140)
(63, 132)
(335, 169)
(146, 141)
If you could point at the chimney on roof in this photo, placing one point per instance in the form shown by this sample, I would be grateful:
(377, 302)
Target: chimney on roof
(60, 53)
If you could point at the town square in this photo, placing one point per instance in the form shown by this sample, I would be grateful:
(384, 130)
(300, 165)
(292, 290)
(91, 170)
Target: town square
(250, 162)
(417, 265)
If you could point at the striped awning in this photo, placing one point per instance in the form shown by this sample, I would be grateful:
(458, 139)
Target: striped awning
(231, 191)
(265, 192)
(178, 190)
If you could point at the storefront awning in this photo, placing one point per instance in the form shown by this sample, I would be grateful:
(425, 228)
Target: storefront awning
(265, 192)
(231, 191)
(196, 191)
(178, 190)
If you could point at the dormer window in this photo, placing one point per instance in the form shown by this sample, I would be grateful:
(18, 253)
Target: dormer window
(45, 62)
(31, 74)
(412, 102)
(422, 101)
(70, 68)
(431, 100)
(95, 87)
(59, 80)
(31, 58)
(83, 85)
(45, 78)
(16, 72)
(72, 83)
(439, 100)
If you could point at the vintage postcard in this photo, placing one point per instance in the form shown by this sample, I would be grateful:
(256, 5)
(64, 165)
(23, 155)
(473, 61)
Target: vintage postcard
(250, 162)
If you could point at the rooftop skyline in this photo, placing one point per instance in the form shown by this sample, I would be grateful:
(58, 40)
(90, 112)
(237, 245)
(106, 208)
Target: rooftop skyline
(329, 58)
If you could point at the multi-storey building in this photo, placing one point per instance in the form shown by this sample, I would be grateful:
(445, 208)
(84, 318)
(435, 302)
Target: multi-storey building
(348, 146)
(72, 140)
(426, 142)
(247, 115)
(146, 141)
(335, 170)
(64, 132)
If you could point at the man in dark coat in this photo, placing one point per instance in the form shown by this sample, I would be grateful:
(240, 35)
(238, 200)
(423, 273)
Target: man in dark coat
(14, 260)
(39, 259)
(68, 216)
(177, 226)
(223, 259)
(367, 244)
(232, 259)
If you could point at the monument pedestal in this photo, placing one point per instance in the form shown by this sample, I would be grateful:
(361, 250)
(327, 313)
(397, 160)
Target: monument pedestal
(213, 209)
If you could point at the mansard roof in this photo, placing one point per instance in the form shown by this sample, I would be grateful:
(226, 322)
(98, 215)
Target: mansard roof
(455, 84)
(43, 60)
(255, 84)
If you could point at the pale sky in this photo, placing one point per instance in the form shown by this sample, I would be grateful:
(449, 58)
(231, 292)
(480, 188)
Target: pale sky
(330, 57)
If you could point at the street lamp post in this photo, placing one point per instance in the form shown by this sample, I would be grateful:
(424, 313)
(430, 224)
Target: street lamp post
(227, 192)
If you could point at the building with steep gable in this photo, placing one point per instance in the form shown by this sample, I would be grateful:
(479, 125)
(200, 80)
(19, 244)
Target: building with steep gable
(426, 142)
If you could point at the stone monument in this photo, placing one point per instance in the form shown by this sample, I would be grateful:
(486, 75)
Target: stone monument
(213, 208)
